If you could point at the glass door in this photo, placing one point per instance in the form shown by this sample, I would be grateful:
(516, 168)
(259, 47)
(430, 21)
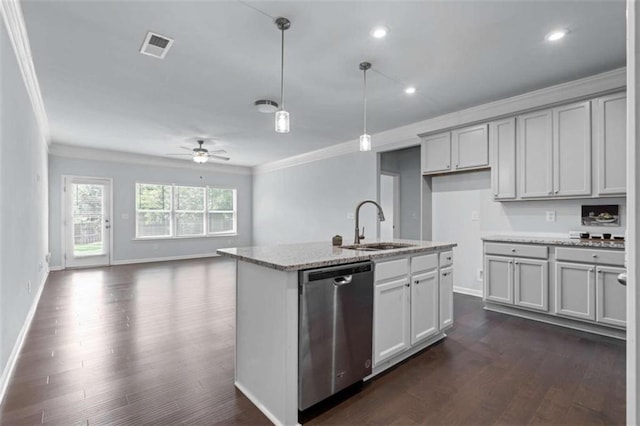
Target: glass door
(87, 221)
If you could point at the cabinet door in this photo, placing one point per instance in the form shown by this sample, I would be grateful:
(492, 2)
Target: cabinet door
(436, 153)
(498, 279)
(531, 284)
(503, 161)
(572, 149)
(424, 306)
(611, 297)
(470, 147)
(535, 146)
(575, 290)
(446, 298)
(611, 114)
(391, 319)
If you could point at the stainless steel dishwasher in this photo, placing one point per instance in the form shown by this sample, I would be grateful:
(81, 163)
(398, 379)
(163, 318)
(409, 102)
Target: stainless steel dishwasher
(335, 330)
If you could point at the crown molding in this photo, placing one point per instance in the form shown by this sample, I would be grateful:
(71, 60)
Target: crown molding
(17, 30)
(409, 135)
(84, 153)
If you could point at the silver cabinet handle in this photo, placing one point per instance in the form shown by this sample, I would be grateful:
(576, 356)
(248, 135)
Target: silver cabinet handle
(417, 282)
(517, 263)
(591, 270)
(556, 191)
(599, 271)
(622, 278)
(594, 255)
(513, 250)
(448, 166)
(407, 284)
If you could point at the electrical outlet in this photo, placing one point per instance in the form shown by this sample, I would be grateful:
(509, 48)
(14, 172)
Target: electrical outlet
(479, 275)
(475, 215)
(350, 215)
(551, 216)
(40, 266)
(29, 286)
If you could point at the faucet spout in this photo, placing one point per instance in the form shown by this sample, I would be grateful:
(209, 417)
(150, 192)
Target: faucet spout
(359, 237)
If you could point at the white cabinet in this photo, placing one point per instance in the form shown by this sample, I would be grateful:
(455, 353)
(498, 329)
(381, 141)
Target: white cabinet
(518, 281)
(531, 284)
(436, 153)
(554, 147)
(611, 297)
(572, 150)
(611, 141)
(391, 313)
(424, 306)
(460, 149)
(575, 290)
(503, 158)
(470, 147)
(446, 297)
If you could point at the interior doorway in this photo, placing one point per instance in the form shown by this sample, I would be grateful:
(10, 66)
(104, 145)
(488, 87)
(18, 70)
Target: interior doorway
(390, 202)
(86, 221)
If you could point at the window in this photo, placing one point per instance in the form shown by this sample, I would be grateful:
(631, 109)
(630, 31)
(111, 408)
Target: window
(167, 211)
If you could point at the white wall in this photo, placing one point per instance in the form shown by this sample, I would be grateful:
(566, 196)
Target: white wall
(23, 203)
(125, 176)
(406, 162)
(310, 202)
(456, 196)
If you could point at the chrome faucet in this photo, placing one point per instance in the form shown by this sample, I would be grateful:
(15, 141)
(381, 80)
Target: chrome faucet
(359, 236)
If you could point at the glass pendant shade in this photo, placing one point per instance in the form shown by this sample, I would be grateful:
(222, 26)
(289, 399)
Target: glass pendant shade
(282, 121)
(365, 142)
(200, 158)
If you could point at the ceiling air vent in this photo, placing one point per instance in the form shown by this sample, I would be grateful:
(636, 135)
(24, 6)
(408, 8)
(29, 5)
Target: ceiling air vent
(156, 45)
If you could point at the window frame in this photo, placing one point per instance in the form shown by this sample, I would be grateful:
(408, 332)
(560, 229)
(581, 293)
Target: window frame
(172, 213)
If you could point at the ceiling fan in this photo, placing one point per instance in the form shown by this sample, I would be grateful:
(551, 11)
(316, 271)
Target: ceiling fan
(202, 155)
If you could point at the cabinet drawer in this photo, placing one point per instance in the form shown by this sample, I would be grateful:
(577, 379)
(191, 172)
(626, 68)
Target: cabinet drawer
(391, 269)
(424, 262)
(605, 257)
(446, 258)
(517, 250)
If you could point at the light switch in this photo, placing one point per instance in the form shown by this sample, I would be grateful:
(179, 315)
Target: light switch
(475, 215)
(551, 216)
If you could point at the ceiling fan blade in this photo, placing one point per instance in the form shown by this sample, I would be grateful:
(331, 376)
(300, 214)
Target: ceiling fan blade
(190, 155)
(219, 151)
(188, 149)
(219, 157)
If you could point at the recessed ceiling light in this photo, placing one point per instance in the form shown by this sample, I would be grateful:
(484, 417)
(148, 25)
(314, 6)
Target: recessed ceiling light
(379, 32)
(556, 35)
(410, 90)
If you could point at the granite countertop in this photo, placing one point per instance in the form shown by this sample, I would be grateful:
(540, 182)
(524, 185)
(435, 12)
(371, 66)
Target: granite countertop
(612, 244)
(294, 257)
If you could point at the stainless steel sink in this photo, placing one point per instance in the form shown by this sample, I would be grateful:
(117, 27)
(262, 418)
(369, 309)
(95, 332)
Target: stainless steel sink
(377, 246)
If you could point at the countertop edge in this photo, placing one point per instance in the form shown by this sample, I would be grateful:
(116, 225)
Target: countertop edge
(358, 257)
(568, 242)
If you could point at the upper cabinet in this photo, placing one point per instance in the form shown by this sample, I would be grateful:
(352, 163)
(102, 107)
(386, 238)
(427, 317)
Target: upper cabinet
(503, 152)
(555, 152)
(611, 124)
(460, 149)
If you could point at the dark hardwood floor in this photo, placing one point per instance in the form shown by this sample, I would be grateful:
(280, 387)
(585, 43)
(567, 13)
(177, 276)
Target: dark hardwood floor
(154, 344)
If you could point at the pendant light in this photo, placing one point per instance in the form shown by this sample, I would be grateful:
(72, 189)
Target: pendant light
(282, 116)
(365, 139)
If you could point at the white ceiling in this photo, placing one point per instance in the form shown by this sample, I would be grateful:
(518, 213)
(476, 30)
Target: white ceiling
(100, 92)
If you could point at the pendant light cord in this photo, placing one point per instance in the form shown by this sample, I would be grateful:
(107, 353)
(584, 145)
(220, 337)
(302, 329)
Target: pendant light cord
(282, 71)
(364, 101)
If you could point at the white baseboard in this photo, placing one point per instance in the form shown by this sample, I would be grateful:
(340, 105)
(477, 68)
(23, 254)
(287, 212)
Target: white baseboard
(163, 259)
(259, 405)
(55, 268)
(468, 291)
(13, 357)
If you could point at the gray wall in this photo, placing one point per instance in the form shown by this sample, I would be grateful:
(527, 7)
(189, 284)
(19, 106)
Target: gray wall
(406, 162)
(311, 202)
(125, 176)
(23, 202)
(456, 196)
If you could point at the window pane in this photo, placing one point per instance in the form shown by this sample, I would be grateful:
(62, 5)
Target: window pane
(221, 222)
(220, 199)
(189, 223)
(153, 197)
(189, 198)
(152, 224)
(87, 219)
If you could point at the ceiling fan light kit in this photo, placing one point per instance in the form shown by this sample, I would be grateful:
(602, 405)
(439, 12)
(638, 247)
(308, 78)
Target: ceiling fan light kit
(282, 116)
(265, 106)
(365, 139)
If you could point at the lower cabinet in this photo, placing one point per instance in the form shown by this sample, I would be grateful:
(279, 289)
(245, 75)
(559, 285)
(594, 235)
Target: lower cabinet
(446, 298)
(611, 297)
(391, 312)
(424, 306)
(517, 281)
(575, 290)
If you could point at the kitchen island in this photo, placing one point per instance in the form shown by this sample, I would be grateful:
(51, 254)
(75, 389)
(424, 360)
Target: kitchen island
(413, 306)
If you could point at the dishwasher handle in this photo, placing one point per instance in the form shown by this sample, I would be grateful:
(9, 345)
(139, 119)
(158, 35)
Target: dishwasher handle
(346, 279)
